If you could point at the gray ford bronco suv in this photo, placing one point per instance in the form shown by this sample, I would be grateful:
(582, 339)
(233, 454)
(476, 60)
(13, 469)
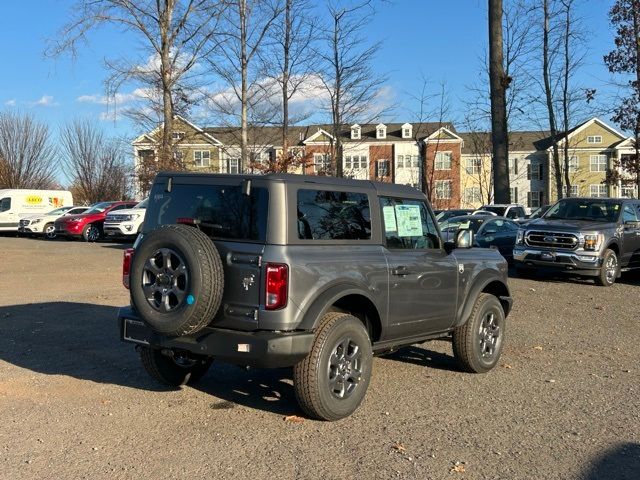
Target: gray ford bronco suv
(317, 273)
(592, 237)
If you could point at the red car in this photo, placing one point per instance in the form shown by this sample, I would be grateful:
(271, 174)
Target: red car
(88, 225)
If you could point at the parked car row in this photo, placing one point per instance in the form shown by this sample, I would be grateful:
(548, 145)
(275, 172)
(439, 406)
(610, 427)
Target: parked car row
(29, 212)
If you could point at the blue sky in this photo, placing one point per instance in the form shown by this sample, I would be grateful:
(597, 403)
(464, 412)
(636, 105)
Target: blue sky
(443, 41)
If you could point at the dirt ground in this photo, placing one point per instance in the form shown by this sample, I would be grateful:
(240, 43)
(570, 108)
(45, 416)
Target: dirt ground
(75, 403)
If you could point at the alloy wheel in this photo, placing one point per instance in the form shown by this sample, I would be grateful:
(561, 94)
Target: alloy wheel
(345, 368)
(489, 335)
(165, 280)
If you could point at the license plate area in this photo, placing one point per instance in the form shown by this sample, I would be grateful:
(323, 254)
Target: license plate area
(136, 331)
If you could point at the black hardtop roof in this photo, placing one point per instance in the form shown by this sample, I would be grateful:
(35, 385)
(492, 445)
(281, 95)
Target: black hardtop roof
(382, 188)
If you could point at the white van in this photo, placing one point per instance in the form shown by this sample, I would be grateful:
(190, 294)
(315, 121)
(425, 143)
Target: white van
(15, 204)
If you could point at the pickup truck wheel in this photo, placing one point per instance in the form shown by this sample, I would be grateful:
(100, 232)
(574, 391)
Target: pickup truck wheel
(91, 233)
(609, 270)
(49, 231)
(331, 382)
(176, 370)
(477, 344)
(177, 280)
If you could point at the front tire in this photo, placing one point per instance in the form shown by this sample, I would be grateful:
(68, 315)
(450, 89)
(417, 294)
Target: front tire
(477, 345)
(331, 382)
(173, 371)
(609, 270)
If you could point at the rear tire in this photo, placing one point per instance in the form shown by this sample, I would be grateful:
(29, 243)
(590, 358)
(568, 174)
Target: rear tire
(49, 231)
(331, 382)
(477, 345)
(609, 270)
(174, 371)
(91, 233)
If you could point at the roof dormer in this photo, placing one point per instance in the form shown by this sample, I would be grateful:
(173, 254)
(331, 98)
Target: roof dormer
(381, 131)
(356, 132)
(407, 130)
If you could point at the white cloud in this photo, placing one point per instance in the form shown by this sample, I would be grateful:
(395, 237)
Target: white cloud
(118, 98)
(44, 101)
(11, 102)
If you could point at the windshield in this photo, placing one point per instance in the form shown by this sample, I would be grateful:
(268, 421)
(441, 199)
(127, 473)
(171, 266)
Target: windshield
(493, 209)
(458, 223)
(584, 209)
(99, 207)
(540, 211)
(58, 211)
(142, 204)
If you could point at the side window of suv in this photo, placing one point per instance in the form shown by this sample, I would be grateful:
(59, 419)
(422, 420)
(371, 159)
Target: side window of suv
(5, 204)
(629, 214)
(331, 215)
(408, 224)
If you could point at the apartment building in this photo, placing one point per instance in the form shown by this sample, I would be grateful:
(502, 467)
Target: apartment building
(457, 166)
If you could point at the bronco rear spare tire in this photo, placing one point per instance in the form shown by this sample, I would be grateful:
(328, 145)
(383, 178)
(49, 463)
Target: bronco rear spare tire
(177, 280)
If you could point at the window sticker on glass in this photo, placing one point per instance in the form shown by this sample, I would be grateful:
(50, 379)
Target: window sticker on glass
(409, 222)
(389, 219)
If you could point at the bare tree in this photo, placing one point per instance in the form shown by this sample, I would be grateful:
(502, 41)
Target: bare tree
(351, 84)
(174, 35)
(245, 25)
(95, 165)
(499, 82)
(288, 64)
(27, 154)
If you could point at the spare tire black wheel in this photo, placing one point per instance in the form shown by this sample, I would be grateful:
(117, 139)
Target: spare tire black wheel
(177, 280)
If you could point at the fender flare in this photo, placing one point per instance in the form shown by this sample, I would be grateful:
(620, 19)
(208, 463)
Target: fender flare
(323, 302)
(496, 287)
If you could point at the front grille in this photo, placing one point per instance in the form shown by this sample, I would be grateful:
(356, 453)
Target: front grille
(566, 241)
(115, 218)
(24, 223)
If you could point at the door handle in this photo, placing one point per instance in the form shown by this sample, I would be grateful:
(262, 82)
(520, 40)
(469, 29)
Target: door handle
(400, 271)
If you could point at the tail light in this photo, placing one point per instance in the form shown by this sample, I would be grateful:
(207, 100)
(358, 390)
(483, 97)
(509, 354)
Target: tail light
(126, 266)
(277, 283)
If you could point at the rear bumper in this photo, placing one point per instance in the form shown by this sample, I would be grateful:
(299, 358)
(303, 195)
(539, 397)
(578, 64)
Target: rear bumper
(587, 264)
(265, 349)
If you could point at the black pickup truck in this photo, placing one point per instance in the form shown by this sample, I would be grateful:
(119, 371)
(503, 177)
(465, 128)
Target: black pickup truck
(594, 237)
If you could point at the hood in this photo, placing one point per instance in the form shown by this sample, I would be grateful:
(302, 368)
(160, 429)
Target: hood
(129, 211)
(568, 225)
(66, 218)
(33, 216)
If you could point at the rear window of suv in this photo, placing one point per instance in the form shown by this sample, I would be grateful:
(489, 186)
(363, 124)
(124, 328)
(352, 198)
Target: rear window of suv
(331, 215)
(221, 211)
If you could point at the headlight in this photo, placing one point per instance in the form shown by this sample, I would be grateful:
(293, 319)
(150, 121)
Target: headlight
(520, 237)
(130, 218)
(37, 220)
(592, 241)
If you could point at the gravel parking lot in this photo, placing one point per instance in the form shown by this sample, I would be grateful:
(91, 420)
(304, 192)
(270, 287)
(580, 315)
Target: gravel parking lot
(75, 402)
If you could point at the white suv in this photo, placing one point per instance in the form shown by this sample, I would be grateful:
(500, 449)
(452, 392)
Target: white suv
(125, 223)
(508, 210)
(43, 223)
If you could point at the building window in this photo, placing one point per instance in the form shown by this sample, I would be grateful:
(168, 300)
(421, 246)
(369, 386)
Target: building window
(382, 168)
(443, 161)
(321, 162)
(202, 158)
(472, 195)
(628, 191)
(355, 162)
(513, 195)
(534, 171)
(512, 166)
(443, 189)
(406, 130)
(473, 166)
(598, 163)
(233, 165)
(598, 190)
(574, 163)
(381, 131)
(177, 135)
(572, 191)
(534, 199)
(594, 139)
(355, 132)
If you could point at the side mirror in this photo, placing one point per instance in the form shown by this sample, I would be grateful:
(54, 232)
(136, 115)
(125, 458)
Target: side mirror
(464, 239)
